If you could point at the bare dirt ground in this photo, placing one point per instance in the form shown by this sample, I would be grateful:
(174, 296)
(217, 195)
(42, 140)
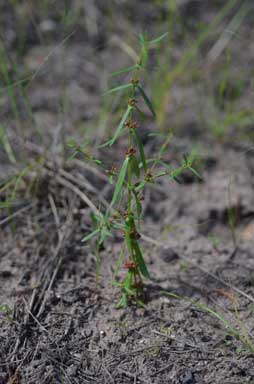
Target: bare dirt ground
(57, 326)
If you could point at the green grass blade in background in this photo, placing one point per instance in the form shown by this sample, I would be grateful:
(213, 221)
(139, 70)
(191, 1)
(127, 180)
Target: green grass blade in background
(5, 75)
(6, 145)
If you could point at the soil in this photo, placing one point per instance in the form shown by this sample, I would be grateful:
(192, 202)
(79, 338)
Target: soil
(58, 325)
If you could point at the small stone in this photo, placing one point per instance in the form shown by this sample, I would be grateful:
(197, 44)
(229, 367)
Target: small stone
(168, 255)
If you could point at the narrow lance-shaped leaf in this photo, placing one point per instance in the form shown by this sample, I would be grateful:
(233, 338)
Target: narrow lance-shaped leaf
(144, 49)
(118, 226)
(177, 172)
(146, 100)
(158, 39)
(124, 70)
(140, 149)
(116, 89)
(144, 55)
(140, 186)
(135, 166)
(121, 125)
(91, 235)
(104, 233)
(128, 226)
(127, 284)
(128, 241)
(186, 160)
(140, 260)
(195, 172)
(95, 218)
(123, 302)
(138, 207)
(107, 143)
(6, 144)
(120, 181)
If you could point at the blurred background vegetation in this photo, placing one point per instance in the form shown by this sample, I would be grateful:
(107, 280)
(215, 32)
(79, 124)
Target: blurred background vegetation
(56, 57)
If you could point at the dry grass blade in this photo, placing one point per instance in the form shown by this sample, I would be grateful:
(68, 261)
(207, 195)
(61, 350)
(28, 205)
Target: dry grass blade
(78, 192)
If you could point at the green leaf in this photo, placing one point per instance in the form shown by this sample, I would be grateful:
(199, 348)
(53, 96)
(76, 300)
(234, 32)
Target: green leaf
(135, 166)
(91, 235)
(144, 49)
(95, 218)
(121, 125)
(104, 233)
(185, 158)
(158, 39)
(71, 143)
(177, 172)
(124, 70)
(96, 161)
(140, 186)
(127, 284)
(129, 291)
(138, 207)
(140, 149)
(140, 260)
(195, 173)
(128, 240)
(105, 144)
(165, 165)
(118, 226)
(146, 100)
(116, 283)
(73, 155)
(116, 89)
(141, 38)
(6, 144)
(144, 55)
(120, 180)
(123, 301)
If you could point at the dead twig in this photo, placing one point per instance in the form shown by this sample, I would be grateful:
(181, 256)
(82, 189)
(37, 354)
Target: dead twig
(17, 213)
(55, 214)
(77, 191)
